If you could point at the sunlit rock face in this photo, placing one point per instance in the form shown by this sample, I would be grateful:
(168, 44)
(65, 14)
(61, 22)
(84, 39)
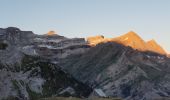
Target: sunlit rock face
(130, 39)
(51, 33)
(169, 55)
(95, 40)
(154, 47)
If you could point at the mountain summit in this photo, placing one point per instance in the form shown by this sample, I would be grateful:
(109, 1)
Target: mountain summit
(51, 33)
(133, 40)
(153, 46)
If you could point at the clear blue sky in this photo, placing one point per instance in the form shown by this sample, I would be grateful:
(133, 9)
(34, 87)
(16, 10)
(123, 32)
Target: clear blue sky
(82, 18)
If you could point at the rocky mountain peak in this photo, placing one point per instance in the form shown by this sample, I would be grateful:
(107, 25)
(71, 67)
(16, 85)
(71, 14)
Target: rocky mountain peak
(132, 36)
(131, 39)
(153, 46)
(51, 33)
(132, 33)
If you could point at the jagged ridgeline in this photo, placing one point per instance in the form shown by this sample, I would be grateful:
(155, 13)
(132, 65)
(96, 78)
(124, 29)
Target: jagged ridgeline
(38, 66)
(36, 78)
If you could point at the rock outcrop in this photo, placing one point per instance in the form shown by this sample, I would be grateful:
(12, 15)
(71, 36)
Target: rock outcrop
(95, 40)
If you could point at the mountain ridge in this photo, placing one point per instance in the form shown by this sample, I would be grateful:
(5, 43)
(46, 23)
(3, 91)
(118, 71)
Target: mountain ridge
(34, 66)
(133, 40)
(153, 46)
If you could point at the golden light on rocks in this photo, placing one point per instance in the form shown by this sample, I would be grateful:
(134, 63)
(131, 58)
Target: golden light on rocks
(129, 39)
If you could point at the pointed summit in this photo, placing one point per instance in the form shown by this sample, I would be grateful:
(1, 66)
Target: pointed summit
(153, 46)
(131, 33)
(51, 33)
(131, 39)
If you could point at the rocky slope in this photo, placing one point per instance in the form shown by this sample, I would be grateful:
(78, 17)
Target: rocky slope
(27, 71)
(34, 78)
(122, 72)
(34, 66)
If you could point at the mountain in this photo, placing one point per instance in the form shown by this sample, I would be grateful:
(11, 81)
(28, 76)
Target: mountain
(35, 78)
(121, 71)
(50, 33)
(154, 47)
(28, 69)
(130, 39)
(39, 66)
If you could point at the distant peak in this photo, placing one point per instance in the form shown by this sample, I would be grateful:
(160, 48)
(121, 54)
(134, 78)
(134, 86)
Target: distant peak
(131, 39)
(131, 33)
(155, 47)
(50, 33)
(130, 36)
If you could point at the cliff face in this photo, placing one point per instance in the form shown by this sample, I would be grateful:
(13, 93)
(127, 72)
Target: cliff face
(28, 69)
(34, 66)
(122, 72)
(17, 42)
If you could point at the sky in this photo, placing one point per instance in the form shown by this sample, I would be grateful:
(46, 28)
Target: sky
(83, 18)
